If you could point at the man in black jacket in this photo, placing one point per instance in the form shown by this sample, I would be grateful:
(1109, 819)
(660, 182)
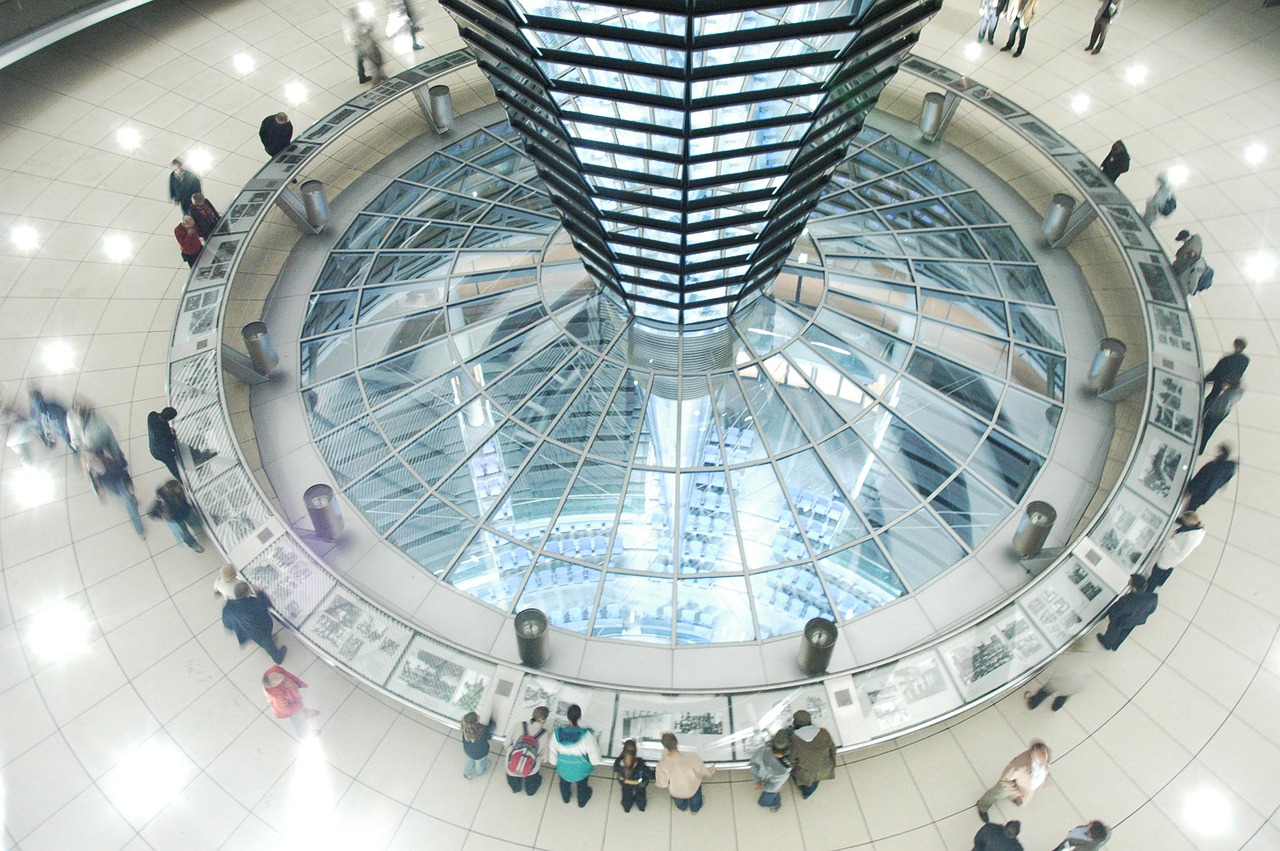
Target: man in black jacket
(1230, 366)
(276, 132)
(1209, 478)
(182, 185)
(1130, 611)
(248, 615)
(998, 837)
(161, 439)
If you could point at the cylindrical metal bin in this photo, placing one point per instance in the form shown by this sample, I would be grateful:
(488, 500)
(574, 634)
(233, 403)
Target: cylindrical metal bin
(817, 643)
(1034, 528)
(531, 637)
(1106, 364)
(931, 113)
(441, 108)
(316, 204)
(1057, 216)
(257, 342)
(322, 508)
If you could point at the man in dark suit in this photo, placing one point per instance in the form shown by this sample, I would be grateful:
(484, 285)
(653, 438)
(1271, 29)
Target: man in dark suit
(1209, 478)
(1229, 367)
(1130, 611)
(998, 837)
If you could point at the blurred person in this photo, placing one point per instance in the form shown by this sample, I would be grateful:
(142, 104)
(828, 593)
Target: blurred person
(1129, 612)
(527, 751)
(1116, 161)
(173, 507)
(633, 775)
(1021, 16)
(49, 419)
(276, 132)
(1188, 533)
(407, 8)
(225, 585)
(1067, 676)
(204, 214)
(1191, 250)
(163, 440)
(574, 752)
(87, 430)
(360, 34)
(1086, 837)
(998, 837)
(770, 768)
(812, 753)
(189, 243)
(1108, 11)
(284, 696)
(183, 183)
(989, 12)
(248, 615)
(1022, 777)
(109, 473)
(1229, 392)
(1163, 202)
(475, 744)
(1231, 366)
(1210, 478)
(21, 434)
(681, 774)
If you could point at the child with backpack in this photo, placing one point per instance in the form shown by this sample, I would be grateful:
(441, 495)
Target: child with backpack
(475, 743)
(528, 742)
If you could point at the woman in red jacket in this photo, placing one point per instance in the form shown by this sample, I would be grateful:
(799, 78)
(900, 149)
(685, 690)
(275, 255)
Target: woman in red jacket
(285, 699)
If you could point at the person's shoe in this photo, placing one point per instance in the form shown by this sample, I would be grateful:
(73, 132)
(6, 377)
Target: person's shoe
(775, 808)
(198, 548)
(365, 79)
(1007, 47)
(584, 796)
(1017, 53)
(1059, 702)
(1096, 51)
(1103, 643)
(1088, 47)
(284, 651)
(982, 814)
(417, 46)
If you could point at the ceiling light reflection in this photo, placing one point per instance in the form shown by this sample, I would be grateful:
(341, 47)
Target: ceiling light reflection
(1255, 153)
(117, 246)
(1135, 75)
(972, 50)
(295, 92)
(24, 237)
(1080, 103)
(60, 631)
(58, 356)
(128, 138)
(152, 776)
(199, 160)
(1178, 174)
(243, 62)
(1260, 267)
(1209, 810)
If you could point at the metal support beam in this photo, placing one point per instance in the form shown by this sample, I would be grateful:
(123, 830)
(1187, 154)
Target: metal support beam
(1080, 219)
(1127, 383)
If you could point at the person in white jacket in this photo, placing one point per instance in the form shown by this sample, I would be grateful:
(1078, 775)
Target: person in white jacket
(1187, 535)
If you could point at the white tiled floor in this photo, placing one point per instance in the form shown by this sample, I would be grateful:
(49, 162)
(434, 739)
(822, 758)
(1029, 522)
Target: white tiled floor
(156, 735)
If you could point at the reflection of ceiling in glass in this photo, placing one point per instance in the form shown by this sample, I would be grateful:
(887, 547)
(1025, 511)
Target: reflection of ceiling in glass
(832, 448)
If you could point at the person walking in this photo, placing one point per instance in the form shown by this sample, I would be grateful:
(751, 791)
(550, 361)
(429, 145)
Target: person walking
(414, 29)
(681, 774)
(87, 431)
(1187, 534)
(1021, 16)
(475, 744)
(1116, 162)
(189, 243)
(248, 615)
(526, 752)
(162, 440)
(633, 775)
(1022, 777)
(1108, 11)
(1210, 478)
(1129, 612)
(1229, 392)
(360, 34)
(285, 699)
(183, 183)
(109, 473)
(1067, 677)
(1191, 250)
(173, 507)
(1231, 366)
(770, 769)
(276, 132)
(989, 13)
(49, 419)
(1163, 202)
(998, 837)
(574, 752)
(204, 215)
(812, 753)
(1086, 837)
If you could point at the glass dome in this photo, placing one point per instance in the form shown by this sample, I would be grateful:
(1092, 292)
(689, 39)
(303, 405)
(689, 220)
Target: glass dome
(843, 440)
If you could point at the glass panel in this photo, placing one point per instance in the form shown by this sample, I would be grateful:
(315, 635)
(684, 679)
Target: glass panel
(565, 591)
(713, 609)
(707, 528)
(952, 427)
(879, 495)
(325, 358)
(343, 270)
(907, 451)
(766, 525)
(432, 535)
(1039, 372)
(1039, 326)
(635, 607)
(1029, 418)
(975, 392)
(1006, 464)
(860, 579)
(920, 547)
(787, 599)
(970, 508)
(387, 493)
(423, 405)
(491, 569)
(352, 449)
(645, 523)
(332, 403)
(822, 510)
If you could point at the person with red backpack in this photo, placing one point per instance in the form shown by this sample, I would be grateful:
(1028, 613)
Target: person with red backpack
(525, 751)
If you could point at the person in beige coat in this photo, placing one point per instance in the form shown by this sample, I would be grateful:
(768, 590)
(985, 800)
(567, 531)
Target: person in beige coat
(1025, 773)
(1021, 17)
(681, 774)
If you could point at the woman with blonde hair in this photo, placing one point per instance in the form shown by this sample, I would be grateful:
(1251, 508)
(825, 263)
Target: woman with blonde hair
(475, 743)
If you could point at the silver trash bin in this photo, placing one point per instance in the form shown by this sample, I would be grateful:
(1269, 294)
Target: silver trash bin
(316, 204)
(1057, 217)
(441, 108)
(1106, 364)
(257, 342)
(817, 643)
(931, 114)
(531, 637)
(322, 508)
(1034, 528)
